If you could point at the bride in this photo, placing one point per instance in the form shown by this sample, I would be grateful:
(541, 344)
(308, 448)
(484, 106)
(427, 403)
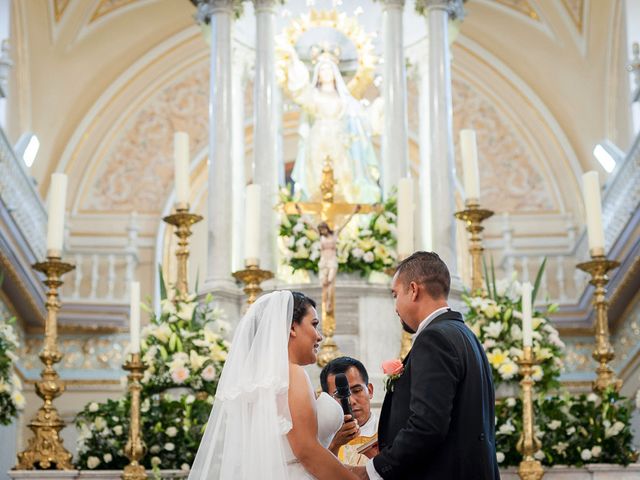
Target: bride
(266, 422)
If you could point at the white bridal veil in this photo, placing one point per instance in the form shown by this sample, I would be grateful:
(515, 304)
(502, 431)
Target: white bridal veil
(244, 436)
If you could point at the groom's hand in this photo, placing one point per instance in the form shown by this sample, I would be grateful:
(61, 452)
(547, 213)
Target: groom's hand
(360, 472)
(349, 430)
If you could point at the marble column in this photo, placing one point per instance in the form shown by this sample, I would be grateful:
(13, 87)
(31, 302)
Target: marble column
(441, 152)
(395, 161)
(266, 129)
(239, 178)
(219, 231)
(424, 211)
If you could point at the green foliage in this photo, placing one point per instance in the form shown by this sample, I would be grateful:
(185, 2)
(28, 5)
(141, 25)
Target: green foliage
(11, 398)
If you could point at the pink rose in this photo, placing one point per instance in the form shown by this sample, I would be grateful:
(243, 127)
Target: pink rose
(392, 367)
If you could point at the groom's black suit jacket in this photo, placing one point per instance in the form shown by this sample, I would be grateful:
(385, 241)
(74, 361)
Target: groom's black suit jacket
(438, 422)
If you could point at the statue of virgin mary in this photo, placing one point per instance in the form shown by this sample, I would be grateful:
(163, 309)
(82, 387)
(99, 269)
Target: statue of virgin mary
(334, 125)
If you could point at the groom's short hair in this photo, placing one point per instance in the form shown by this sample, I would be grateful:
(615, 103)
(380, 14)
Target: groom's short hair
(426, 269)
(341, 365)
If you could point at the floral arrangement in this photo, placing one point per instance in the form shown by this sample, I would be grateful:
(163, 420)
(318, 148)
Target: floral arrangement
(393, 370)
(11, 398)
(497, 322)
(573, 429)
(367, 244)
(171, 429)
(184, 346)
(184, 349)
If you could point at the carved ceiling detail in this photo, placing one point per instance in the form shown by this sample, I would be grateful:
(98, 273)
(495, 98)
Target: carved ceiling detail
(509, 179)
(138, 171)
(521, 6)
(576, 11)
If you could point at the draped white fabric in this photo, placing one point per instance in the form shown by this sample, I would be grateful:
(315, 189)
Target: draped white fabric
(245, 435)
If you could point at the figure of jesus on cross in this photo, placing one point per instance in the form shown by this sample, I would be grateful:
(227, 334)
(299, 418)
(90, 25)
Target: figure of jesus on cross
(329, 211)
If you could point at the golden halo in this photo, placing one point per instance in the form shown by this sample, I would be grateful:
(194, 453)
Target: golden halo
(344, 24)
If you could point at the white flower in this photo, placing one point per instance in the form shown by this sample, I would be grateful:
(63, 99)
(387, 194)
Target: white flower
(560, 447)
(118, 430)
(502, 286)
(539, 455)
(171, 431)
(100, 423)
(107, 457)
(585, 454)
(596, 450)
(162, 332)
(516, 332)
(508, 370)
(298, 227)
(368, 257)
(209, 373)
(155, 461)
(93, 462)
(536, 373)
(500, 457)
(18, 399)
(185, 467)
(489, 343)
(571, 430)
(493, 329)
(180, 375)
(144, 407)
(167, 307)
(357, 252)
(169, 447)
(93, 407)
(554, 424)
(511, 402)
(490, 309)
(614, 429)
(506, 428)
(197, 361)
(186, 311)
(190, 399)
(155, 449)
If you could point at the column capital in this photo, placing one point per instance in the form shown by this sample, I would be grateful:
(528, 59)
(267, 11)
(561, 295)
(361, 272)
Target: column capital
(208, 8)
(393, 4)
(454, 8)
(265, 5)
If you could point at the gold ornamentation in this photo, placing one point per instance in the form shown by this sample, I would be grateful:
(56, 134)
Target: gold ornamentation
(182, 220)
(135, 448)
(328, 210)
(603, 353)
(344, 24)
(575, 8)
(46, 450)
(528, 444)
(252, 276)
(522, 6)
(473, 216)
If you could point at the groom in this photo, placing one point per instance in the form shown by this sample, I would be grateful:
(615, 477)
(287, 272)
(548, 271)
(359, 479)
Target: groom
(437, 419)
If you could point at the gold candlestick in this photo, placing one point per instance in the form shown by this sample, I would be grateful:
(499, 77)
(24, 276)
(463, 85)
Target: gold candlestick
(46, 451)
(328, 349)
(528, 444)
(603, 352)
(473, 216)
(252, 276)
(135, 448)
(182, 220)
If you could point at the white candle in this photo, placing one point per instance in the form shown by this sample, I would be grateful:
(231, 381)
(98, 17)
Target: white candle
(252, 209)
(181, 160)
(470, 171)
(527, 327)
(593, 208)
(405, 217)
(57, 201)
(134, 317)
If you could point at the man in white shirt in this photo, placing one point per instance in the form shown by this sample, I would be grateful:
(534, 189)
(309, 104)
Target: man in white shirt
(363, 428)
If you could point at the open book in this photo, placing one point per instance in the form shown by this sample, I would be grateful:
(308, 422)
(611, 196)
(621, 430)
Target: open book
(369, 449)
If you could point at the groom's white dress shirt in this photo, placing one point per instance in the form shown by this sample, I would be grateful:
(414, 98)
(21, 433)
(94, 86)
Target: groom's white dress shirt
(371, 471)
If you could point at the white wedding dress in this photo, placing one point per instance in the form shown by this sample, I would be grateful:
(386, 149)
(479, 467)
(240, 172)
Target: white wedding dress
(330, 417)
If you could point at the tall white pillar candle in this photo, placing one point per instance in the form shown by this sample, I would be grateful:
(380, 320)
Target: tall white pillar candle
(405, 217)
(593, 208)
(57, 201)
(469, 152)
(252, 225)
(134, 317)
(527, 326)
(181, 159)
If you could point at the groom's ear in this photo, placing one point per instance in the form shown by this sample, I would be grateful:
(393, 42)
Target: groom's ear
(413, 287)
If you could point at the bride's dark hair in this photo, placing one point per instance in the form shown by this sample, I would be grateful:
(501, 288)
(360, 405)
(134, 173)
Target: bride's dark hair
(301, 304)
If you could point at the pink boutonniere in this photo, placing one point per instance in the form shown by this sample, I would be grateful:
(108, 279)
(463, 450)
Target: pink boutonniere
(393, 369)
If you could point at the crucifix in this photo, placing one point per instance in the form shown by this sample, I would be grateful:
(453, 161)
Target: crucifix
(329, 211)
